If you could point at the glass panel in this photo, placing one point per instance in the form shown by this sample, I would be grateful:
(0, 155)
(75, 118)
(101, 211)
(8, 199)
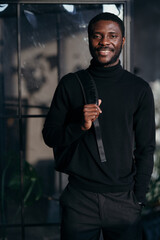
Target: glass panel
(9, 127)
(8, 60)
(10, 196)
(13, 233)
(153, 195)
(39, 57)
(43, 182)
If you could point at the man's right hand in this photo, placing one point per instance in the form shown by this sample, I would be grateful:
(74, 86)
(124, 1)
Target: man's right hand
(90, 114)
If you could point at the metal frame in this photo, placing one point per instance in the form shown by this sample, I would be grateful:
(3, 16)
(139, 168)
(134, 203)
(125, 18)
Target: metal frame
(66, 1)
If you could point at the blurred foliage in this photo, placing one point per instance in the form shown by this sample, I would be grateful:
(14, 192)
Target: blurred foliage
(30, 191)
(11, 188)
(153, 196)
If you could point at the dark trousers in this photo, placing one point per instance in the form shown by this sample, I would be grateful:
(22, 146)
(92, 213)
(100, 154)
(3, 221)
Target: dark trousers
(85, 214)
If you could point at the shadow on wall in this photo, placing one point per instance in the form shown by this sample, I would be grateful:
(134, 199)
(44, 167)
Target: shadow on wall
(35, 73)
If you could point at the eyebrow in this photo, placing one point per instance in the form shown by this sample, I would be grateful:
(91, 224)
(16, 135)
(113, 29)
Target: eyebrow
(111, 32)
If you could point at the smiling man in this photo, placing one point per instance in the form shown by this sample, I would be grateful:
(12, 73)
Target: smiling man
(105, 195)
(106, 42)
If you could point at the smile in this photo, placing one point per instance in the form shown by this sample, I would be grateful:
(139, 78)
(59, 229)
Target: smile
(104, 52)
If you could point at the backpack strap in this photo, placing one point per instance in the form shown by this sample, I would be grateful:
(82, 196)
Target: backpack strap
(90, 94)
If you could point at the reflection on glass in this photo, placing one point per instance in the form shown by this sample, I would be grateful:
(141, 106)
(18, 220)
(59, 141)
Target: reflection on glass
(8, 60)
(70, 8)
(117, 9)
(3, 7)
(31, 18)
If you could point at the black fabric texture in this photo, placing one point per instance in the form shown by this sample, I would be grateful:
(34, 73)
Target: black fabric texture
(85, 214)
(128, 132)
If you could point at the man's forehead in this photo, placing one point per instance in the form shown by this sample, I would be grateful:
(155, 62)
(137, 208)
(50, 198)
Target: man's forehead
(105, 25)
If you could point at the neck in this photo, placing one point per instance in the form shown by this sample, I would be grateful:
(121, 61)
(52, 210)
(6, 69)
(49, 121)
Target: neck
(99, 70)
(95, 63)
(111, 64)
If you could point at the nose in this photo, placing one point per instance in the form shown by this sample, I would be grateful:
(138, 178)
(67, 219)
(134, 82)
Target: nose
(104, 41)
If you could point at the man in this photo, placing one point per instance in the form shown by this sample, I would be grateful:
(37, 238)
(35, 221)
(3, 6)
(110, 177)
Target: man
(103, 196)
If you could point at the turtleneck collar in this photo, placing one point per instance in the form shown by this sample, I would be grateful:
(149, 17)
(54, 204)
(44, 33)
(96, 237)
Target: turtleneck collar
(97, 70)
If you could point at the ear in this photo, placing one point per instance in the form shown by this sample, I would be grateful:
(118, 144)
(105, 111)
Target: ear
(123, 41)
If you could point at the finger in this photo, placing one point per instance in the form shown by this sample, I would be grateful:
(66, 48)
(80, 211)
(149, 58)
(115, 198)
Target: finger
(90, 105)
(88, 116)
(98, 109)
(94, 118)
(93, 109)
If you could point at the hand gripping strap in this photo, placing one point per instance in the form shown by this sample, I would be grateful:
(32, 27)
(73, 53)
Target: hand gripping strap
(91, 96)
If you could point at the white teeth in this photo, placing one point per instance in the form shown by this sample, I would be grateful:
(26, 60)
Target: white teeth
(104, 52)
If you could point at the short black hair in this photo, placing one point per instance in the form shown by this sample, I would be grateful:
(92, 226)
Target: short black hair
(106, 16)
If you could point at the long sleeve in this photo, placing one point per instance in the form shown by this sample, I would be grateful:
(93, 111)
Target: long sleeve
(144, 127)
(62, 125)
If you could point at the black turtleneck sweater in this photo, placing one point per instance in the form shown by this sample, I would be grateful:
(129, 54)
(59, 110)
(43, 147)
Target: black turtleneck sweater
(127, 125)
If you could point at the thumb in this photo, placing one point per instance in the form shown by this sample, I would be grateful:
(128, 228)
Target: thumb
(99, 102)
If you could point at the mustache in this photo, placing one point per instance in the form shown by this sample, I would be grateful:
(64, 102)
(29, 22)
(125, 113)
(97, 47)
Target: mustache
(105, 49)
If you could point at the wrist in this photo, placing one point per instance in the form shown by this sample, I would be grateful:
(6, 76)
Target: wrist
(83, 128)
(86, 126)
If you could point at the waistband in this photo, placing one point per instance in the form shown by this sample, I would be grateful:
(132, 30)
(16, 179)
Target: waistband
(99, 188)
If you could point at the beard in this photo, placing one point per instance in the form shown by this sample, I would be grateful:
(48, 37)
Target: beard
(113, 59)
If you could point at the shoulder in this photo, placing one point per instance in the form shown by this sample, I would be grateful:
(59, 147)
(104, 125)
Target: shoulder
(138, 85)
(137, 81)
(69, 81)
(141, 88)
(70, 77)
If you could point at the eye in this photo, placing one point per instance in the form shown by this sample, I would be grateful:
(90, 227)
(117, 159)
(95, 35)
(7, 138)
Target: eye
(96, 36)
(113, 36)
